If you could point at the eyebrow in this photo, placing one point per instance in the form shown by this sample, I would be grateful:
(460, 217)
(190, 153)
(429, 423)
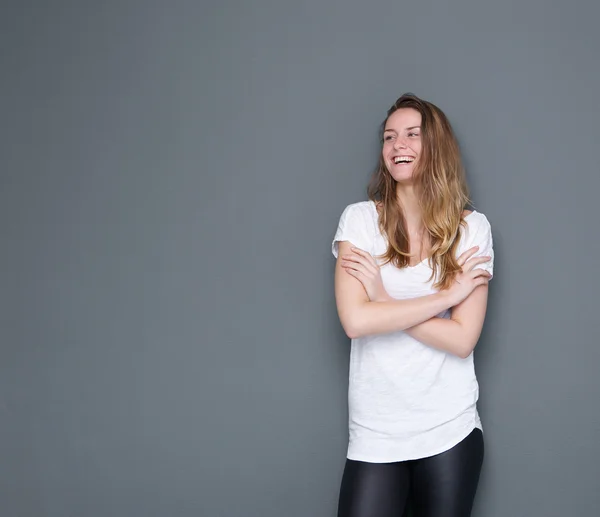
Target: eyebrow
(408, 129)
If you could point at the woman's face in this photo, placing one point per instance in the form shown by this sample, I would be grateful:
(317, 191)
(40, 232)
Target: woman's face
(402, 143)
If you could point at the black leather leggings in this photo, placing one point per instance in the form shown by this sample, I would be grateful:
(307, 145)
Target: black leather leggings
(443, 485)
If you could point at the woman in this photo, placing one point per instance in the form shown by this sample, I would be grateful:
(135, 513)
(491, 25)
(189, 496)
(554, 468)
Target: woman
(411, 287)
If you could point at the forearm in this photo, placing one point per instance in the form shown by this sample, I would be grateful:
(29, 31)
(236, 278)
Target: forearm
(445, 334)
(459, 334)
(392, 315)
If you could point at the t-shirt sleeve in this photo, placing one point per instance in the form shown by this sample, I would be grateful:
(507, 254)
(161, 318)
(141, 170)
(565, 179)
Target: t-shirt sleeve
(480, 234)
(353, 227)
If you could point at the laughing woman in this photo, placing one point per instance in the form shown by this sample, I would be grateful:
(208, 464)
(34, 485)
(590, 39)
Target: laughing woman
(411, 287)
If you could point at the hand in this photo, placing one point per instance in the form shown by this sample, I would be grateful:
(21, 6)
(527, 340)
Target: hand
(362, 266)
(468, 279)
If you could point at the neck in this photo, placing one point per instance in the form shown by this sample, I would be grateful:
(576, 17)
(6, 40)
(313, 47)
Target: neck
(408, 200)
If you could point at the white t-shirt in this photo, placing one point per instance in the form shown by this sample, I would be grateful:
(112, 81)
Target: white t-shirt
(407, 400)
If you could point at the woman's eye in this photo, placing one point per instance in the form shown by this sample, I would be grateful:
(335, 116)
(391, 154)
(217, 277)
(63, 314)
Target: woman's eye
(413, 134)
(389, 137)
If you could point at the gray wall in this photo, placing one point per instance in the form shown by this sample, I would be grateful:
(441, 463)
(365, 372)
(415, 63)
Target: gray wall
(172, 174)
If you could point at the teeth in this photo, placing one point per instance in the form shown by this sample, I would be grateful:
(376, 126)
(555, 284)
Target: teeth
(405, 159)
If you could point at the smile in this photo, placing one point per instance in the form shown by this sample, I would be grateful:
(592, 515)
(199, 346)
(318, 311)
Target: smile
(403, 159)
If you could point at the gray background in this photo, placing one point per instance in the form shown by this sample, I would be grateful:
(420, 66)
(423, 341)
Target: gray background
(172, 174)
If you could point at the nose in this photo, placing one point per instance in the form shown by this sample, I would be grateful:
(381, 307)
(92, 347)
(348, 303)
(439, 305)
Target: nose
(399, 143)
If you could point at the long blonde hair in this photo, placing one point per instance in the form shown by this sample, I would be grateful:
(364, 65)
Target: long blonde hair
(441, 187)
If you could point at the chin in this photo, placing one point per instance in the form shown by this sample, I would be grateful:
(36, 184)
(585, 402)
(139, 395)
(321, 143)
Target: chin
(401, 174)
(403, 178)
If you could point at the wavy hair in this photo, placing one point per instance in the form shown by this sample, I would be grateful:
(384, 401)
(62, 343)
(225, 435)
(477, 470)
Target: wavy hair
(441, 188)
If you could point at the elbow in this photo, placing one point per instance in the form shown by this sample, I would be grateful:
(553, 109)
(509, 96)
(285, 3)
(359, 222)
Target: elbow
(352, 326)
(356, 320)
(465, 350)
(465, 340)
(352, 331)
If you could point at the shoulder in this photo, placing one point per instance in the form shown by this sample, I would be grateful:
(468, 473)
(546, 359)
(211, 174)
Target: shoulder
(362, 207)
(363, 212)
(477, 228)
(475, 219)
(358, 224)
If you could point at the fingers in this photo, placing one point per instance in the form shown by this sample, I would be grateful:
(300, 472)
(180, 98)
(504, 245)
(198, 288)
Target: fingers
(471, 263)
(359, 268)
(356, 267)
(363, 278)
(355, 260)
(466, 255)
(361, 259)
(474, 279)
(482, 280)
(354, 273)
(366, 255)
(479, 273)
